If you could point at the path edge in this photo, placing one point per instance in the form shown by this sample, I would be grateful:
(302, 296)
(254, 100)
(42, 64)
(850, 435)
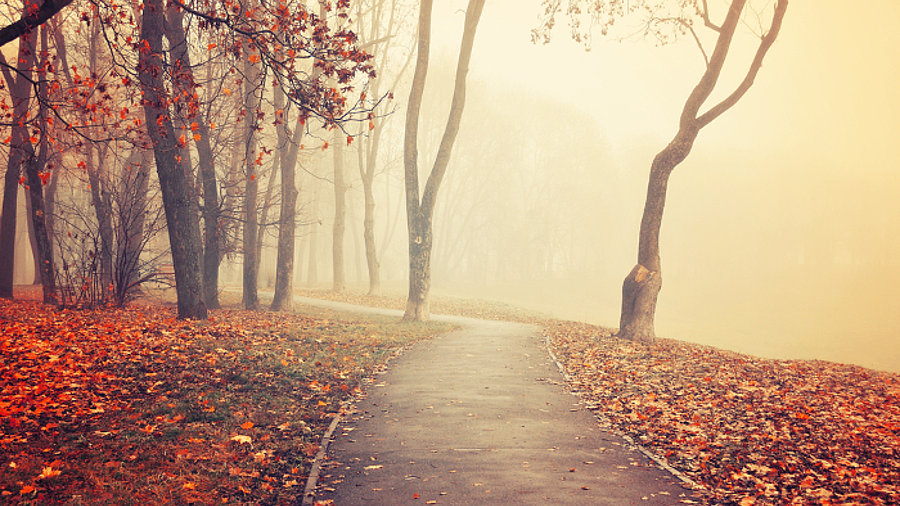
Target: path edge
(604, 421)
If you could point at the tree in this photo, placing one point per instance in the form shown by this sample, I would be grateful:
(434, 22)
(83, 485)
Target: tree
(641, 287)
(182, 221)
(178, 41)
(419, 212)
(383, 26)
(20, 92)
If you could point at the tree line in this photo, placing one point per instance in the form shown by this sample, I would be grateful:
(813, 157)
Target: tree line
(221, 96)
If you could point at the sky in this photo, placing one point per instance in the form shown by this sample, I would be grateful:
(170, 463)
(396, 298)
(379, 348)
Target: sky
(777, 233)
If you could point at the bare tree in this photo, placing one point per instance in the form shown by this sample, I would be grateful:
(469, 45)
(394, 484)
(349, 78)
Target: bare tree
(641, 287)
(420, 211)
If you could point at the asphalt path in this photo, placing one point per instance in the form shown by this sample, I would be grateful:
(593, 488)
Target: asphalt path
(481, 416)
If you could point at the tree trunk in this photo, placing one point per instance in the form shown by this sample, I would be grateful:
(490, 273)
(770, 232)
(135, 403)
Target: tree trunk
(32, 240)
(181, 218)
(418, 307)
(367, 161)
(419, 213)
(340, 214)
(20, 92)
(102, 211)
(44, 265)
(44, 248)
(178, 48)
(100, 198)
(251, 186)
(641, 287)
(283, 298)
(138, 181)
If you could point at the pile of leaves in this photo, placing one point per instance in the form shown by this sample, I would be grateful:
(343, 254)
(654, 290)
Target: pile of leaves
(750, 430)
(134, 406)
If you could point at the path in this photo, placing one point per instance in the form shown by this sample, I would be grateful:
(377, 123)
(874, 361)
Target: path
(481, 416)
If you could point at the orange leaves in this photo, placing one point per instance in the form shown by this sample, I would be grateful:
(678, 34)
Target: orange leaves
(211, 46)
(181, 140)
(247, 425)
(253, 58)
(751, 430)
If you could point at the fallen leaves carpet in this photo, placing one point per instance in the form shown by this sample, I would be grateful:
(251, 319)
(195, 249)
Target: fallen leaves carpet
(131, 406)
(750, 430)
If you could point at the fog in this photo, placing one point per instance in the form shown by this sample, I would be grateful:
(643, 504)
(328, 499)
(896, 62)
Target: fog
(781, 235)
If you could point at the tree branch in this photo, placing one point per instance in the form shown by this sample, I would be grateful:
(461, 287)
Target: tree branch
(31, 20)
(706, 21)
(706, 84)
(764, 45)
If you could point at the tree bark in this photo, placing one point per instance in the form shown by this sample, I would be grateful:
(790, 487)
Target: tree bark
(175, 32)
(181, 218)
(20, 93)
(137, 182)
(367, 174)
(340, 215)
(283, 298)
(419, 213)
(251, 187)
(640, 290)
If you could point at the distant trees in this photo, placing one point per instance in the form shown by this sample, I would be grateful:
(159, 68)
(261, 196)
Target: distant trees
(420, 210)
(314, 63)
(641, 287)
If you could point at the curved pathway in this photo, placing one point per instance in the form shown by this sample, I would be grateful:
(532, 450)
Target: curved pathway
(481, 416)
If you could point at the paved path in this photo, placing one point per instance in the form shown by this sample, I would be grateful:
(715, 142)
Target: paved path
(481, 416)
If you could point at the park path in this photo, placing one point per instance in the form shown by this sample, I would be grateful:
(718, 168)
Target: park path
(482, 416)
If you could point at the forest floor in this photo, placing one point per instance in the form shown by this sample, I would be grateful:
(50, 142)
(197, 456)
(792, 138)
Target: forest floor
(132, 406)
(748, 430)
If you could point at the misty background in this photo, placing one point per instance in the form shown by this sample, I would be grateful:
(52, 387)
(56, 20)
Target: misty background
(781, 235)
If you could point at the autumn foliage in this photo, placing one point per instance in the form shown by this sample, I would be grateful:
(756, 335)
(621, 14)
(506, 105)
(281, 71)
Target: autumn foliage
(133, 405)
(750, 430)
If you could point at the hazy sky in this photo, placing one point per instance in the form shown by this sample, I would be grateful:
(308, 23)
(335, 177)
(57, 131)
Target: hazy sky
(809, 156)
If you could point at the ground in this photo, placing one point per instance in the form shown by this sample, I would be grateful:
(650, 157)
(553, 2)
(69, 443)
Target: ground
(132, 406)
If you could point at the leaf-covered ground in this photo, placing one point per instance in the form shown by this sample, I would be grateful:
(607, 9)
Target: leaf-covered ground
(135, 407)
(751, 430)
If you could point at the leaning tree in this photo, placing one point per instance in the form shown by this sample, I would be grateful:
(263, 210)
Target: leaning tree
(667, 19)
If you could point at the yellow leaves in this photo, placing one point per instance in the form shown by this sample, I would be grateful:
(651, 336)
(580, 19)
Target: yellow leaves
(48, 472)
(226, 91)
(189, 486)
(241, 439)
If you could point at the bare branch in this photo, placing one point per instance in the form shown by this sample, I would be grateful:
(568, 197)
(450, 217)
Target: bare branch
(706, 21)
(755, 65)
